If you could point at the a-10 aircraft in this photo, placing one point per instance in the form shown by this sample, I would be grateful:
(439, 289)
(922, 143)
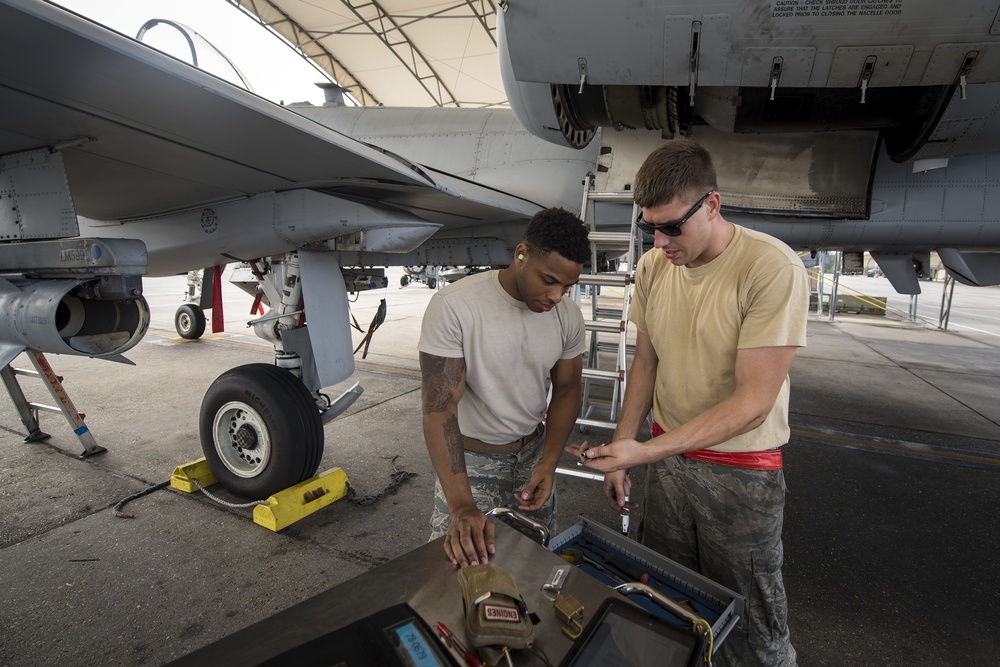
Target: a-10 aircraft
(117, 161)
(857, 125)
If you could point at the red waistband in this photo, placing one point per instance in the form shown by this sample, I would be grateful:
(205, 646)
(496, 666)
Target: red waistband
(769, 459)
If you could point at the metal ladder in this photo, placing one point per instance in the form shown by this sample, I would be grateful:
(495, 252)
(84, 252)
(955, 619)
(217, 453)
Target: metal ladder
(607, 319)
(28, 411)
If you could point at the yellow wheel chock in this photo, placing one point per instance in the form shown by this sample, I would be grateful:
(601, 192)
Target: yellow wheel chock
(281, 509)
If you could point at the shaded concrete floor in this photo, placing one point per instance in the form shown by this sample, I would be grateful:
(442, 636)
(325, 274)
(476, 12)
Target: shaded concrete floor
(893, 473)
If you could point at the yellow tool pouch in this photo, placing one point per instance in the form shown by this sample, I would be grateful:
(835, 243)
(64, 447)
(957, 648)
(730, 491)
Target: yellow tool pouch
(495, 613)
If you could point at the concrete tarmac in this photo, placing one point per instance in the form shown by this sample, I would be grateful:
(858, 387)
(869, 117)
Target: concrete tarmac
(893, 505)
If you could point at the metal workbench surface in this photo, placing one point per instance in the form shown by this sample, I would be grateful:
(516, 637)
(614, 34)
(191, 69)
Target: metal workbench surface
(428, 582)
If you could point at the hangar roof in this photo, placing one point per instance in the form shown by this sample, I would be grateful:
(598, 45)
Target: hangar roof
(418, 53)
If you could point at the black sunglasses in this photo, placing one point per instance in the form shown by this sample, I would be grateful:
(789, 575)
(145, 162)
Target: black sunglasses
(671, 228)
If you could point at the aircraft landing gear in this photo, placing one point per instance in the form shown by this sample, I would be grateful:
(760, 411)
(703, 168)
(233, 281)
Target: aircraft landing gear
(261, 426)
(428, 275)
(261, 431)
(189, 320)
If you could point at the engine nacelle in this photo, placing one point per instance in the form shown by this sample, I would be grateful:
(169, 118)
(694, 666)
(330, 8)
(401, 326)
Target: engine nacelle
(753, 68)
(68, 317)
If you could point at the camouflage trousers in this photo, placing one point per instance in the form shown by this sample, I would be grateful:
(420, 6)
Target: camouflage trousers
(494, 479)
(725, 523)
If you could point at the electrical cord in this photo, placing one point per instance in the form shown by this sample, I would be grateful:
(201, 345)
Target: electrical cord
(707, 629)
(121, 503)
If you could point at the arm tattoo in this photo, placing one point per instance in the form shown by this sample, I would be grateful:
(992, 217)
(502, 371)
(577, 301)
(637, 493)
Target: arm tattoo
(456, 448)
(440, 378)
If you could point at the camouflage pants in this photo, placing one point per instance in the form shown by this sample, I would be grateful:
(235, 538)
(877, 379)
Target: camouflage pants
(494, 479)
(725, 523)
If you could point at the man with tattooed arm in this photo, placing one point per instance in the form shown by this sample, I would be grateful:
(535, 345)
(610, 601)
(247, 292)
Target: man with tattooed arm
(489, 345)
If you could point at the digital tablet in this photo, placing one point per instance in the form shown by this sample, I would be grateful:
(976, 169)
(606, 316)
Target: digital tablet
(621, 634)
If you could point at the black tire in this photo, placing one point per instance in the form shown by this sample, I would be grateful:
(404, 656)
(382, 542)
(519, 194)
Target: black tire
(432, 283)
(404, 281)
(279, 430)
(189, 320)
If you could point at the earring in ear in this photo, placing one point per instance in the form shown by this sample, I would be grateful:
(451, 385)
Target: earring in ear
(520, 255)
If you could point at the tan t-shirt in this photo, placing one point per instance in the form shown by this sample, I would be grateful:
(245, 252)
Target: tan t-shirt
(754, 294)
(509, 352)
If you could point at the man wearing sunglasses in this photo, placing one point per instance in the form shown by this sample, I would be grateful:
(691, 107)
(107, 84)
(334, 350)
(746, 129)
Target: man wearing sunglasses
(719, 311)
(489, 344)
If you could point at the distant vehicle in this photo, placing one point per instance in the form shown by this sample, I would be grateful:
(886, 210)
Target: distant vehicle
(427, 275)
(452, 273)
(435, 276)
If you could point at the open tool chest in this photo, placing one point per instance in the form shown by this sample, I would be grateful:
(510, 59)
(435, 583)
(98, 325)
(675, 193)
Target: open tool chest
(613, 559)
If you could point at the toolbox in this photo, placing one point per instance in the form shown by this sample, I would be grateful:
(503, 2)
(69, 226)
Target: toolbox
(617, 561)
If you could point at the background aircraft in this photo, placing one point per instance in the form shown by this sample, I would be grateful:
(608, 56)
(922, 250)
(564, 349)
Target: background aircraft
(117, 161)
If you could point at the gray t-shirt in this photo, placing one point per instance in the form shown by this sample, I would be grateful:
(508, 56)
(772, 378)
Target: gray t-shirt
(509, 352)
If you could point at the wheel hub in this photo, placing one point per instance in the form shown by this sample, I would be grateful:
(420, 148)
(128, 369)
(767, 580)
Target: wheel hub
(245, 437)
(241, 439)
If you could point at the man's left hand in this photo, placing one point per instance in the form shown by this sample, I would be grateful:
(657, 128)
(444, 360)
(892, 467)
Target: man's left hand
(536, 492)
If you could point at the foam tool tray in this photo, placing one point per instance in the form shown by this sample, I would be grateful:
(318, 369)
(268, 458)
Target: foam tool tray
(614, 559)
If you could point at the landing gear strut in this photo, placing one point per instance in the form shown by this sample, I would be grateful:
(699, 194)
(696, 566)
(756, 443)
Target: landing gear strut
(261, 427)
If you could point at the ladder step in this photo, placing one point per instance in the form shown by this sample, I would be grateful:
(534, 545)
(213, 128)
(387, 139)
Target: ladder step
(597, 423)
(605, 327)
(606, 279)
(609, 313)
(623, 239)
(598, 374)
(44, 408)
(607, 346)
(623, 197)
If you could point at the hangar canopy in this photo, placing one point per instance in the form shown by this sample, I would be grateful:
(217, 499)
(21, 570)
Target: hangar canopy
(395, 52)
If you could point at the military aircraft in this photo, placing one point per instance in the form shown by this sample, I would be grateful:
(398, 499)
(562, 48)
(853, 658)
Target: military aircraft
(856, 125)
(118, 161)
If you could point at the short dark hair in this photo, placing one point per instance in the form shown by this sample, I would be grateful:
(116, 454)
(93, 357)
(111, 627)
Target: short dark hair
(680, 169)
(558, 230)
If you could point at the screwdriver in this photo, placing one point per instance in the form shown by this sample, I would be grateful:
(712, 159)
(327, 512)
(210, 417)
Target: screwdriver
(633, 571)
(451, 641)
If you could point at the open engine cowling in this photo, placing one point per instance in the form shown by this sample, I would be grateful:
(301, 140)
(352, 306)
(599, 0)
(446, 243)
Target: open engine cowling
(69, 317)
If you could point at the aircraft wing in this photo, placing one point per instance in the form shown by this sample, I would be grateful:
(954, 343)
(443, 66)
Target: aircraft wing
(142, 133)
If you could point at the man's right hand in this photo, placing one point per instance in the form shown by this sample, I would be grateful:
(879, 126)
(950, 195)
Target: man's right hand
(469, 540)
(617, 486)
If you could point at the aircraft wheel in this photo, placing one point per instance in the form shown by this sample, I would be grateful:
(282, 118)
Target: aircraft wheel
(261, 431)
(404, 281)
(189, 320)
(432, 283)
